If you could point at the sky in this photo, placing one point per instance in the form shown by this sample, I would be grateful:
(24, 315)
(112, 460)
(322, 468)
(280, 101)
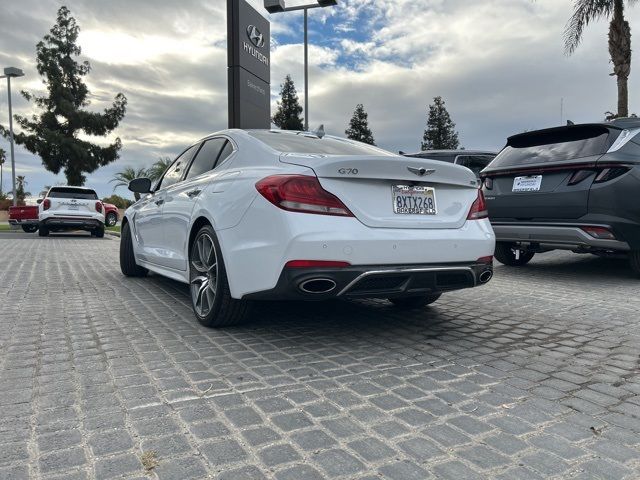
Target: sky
(498, 64)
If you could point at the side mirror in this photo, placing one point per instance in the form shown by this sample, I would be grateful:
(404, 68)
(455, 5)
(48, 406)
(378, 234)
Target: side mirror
(140, 185)
(39, 201)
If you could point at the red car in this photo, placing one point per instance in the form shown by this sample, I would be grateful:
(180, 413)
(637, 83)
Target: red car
(27, 216)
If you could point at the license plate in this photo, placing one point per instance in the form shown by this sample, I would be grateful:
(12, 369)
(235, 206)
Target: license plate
(409, 200)
(74, 207)
(527, 184)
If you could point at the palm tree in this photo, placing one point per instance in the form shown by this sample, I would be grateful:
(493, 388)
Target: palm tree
(587, 11)
(20, 193)
(158, 168)
(3, 157)
(122, 179)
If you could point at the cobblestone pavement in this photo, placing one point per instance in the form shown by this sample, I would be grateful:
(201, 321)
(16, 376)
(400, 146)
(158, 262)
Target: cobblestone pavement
(535, 376)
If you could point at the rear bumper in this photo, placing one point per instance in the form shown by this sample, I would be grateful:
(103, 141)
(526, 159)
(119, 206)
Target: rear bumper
(71, 222)
(559, 236)
(18, 223)
(374, 281)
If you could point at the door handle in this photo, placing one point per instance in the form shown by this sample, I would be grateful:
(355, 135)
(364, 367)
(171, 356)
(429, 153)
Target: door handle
(159, 202)
(193, 193)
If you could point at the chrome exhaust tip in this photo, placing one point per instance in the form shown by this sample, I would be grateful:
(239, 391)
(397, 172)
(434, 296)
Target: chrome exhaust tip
(318, 286)
(486, 276)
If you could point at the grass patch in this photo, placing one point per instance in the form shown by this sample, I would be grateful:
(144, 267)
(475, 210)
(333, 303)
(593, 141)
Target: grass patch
(149, 460)
(5, 227)
(114, 229)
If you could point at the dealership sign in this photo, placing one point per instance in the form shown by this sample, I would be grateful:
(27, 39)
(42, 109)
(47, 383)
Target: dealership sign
(249, 72)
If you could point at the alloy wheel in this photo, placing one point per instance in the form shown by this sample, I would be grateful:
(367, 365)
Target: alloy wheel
(204, 274)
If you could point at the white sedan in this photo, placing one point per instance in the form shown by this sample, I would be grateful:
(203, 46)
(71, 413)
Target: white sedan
(272, 215)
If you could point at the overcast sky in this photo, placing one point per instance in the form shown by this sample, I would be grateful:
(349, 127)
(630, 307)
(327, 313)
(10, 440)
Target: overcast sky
(499, 65)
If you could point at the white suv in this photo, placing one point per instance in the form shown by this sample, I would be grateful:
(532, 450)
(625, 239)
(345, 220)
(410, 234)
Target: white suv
(71, 208)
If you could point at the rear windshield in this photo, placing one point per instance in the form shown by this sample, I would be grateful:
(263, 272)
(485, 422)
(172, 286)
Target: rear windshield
(310, 144)
(553, 146)
(443, 158)
(70, 192)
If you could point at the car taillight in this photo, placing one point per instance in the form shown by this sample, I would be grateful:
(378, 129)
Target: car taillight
(486, 260)
(479, 208)
(578, 176)
(316, 264)
(46, 204)
(301, 193)
(601, 233)
(609, 174)
(99, 207)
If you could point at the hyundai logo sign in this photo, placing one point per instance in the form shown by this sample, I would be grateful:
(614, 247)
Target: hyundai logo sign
(255, 36)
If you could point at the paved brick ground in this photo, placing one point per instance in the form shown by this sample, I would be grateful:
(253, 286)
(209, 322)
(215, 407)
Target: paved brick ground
(534, 376)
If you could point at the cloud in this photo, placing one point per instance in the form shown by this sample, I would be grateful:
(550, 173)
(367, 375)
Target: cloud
(498, 63)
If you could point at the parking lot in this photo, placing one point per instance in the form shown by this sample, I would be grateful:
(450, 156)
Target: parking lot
(536, 375)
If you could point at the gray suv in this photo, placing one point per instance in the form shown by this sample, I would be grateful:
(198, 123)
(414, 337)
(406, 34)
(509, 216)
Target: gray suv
(573, 188)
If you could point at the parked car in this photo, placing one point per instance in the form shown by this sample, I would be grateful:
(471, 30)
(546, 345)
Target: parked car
(71, 208)
(110, 214)
(572, 188)
(25, 217)
(263, 215)
(474, 160)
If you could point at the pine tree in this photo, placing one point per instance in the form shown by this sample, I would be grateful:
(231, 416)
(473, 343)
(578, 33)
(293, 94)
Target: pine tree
(55, 134)
(287, 116)
(359, 126)
(440, 133)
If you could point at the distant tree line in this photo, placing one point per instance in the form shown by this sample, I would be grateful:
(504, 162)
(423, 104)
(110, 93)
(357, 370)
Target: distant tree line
(439, 134)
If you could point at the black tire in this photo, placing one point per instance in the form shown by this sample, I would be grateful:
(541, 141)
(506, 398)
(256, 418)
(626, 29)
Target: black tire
(99, 232)
(43, 231)
(111, 219)
(128, 264)
(221, 309)
(634, 260)
(505, 254)
(415, 302)
(29, 228)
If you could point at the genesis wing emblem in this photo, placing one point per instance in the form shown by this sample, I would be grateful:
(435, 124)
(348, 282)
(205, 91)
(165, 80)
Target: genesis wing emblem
(421, 172)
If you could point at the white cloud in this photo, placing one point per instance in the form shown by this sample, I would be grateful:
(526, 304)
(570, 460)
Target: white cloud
(498, 64)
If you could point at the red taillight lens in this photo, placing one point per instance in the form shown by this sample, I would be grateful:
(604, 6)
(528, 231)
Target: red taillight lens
(486, 260)
(99, 207)
(601, 233)
(479, 208)
(316, 264)
(301, 193)
(46, 204)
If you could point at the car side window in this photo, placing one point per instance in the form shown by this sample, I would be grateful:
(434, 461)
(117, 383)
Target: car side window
(206, 157)
(226, 151)
(174, 172)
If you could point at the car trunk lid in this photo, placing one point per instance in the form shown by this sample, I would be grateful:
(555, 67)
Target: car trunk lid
(370, 186)
(72, 202)
(534, 177)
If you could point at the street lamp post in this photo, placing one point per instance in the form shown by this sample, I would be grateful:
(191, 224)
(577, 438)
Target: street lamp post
(10, 72)
(278, 6)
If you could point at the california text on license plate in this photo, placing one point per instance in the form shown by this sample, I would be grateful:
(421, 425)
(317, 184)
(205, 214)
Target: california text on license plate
(411, 200)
